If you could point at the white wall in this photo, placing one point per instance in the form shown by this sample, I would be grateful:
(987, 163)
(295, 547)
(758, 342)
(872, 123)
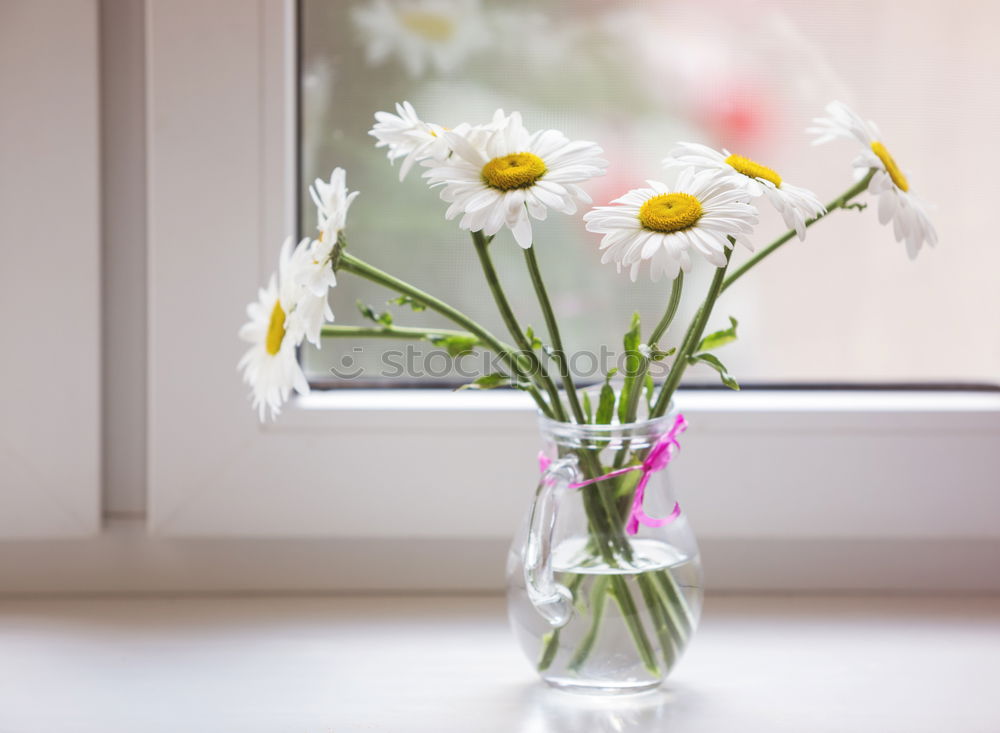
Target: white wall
(49, 268)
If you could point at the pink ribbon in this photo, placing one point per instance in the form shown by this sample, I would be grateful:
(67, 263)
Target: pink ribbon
(656, 460)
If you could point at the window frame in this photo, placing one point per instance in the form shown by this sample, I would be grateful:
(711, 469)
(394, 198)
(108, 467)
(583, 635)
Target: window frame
(767, 469)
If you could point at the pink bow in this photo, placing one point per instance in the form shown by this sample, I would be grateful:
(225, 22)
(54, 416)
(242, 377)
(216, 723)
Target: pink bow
(656, 460)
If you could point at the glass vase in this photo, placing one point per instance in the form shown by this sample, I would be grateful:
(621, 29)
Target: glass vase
(602, 603)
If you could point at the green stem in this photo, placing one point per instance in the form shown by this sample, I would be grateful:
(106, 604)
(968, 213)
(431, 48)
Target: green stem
(661, 328)
(514, 361)
(668, 315)
(632, 406)
(600, 509)
(507, 314)
(606, 531)
(559, 354)
(671, 643)
(691, 340)
(838, 203)
(390, 332)
(598, 600)
(630, 615)
(550, 642)
(674, 603)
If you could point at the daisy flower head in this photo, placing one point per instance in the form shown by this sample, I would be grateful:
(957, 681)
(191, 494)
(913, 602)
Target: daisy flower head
(408, 137)
(422, 34)
(796, 205)
(313, 260)
(896, 203)
(312, 273)
(663, 225)
(332, 203)
(500, 175)
(270, 365)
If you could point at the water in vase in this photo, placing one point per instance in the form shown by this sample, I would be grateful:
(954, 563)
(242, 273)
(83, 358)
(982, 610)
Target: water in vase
(630, 624)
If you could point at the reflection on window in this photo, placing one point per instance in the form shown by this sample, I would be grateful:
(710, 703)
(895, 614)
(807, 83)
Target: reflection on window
(636, 77)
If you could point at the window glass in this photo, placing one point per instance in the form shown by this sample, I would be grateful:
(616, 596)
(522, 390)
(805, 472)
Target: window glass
(846, 305)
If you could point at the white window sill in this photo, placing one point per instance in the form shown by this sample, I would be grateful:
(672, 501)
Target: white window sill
(890, 408)
(776, 664)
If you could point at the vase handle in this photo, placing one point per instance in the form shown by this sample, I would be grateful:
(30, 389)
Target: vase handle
(551, 599)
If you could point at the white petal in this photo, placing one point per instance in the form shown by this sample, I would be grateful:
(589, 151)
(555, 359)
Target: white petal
(522, 231)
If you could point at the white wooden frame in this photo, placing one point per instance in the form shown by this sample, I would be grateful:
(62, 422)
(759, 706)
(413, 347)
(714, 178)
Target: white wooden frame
(50, 423)
(839, 467)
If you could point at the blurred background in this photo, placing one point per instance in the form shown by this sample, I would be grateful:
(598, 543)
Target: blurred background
(747, 75)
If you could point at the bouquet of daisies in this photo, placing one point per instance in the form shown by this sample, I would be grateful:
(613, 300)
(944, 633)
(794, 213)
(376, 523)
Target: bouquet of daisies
(500, 176)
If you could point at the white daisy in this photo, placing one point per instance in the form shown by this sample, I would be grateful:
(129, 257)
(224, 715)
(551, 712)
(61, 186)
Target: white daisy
(500, 174)
(312, 272)
(421, 33)
(270, 366)
(796, 205)
(908, 213)
(663, 226)
(407, 136)
(332, 202)
(313, 267)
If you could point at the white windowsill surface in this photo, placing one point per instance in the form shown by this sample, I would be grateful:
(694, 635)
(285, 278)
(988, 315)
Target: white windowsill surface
(701, 400)
(441, 664)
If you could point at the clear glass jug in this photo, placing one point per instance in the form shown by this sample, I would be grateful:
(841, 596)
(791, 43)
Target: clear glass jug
(596, 608)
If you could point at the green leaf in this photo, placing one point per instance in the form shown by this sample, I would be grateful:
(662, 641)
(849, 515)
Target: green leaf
(633, 362)
(488, 381)
(627, 484)
(383, 319)
(632, 335)
(606, 400)
(605, 405)
(658, 355)
(416, 305)
(454, 345)
(718, 366)
(588, 409)
(719, 338)
(367, 311)
(650, 388)
(535, 342)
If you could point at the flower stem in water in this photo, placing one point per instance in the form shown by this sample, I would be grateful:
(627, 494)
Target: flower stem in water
(598, 600)
(630, 615)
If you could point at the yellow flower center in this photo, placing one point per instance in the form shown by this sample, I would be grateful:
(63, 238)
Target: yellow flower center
(430, 26)
(752, 169)
(890, 166)
(670, 212)
(275, 330)
(517, 170)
